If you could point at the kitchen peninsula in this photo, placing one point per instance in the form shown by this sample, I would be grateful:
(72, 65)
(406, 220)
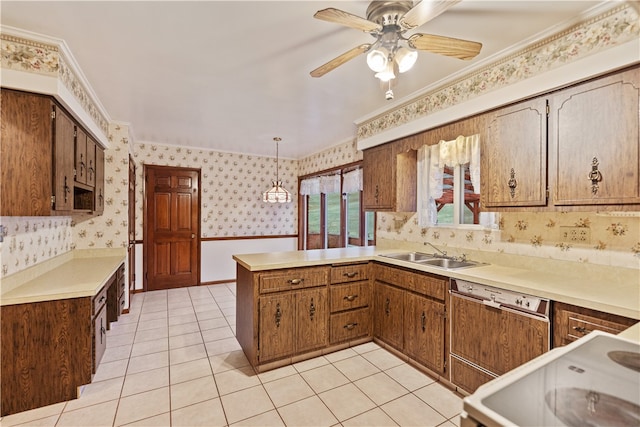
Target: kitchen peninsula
(295, 301)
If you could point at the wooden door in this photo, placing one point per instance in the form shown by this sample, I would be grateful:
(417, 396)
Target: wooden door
(378, 173)
(25, 169)
(514, 156)
(596, 137)
(98, 193)
(81, 164)
(172, 239)
(276, 326)
(424, 324)
(389, 309)
(312, 317)
(63, 161)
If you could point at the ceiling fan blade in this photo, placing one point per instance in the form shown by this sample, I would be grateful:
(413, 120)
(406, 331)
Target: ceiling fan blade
(345, 18)
(448, 46)
(339, 60)
(425, 11)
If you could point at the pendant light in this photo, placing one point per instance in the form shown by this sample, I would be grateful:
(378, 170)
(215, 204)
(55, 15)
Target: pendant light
(277, 194)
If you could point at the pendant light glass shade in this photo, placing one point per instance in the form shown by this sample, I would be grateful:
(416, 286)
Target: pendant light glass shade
(377, 59)
(277, 193)
(405, 58)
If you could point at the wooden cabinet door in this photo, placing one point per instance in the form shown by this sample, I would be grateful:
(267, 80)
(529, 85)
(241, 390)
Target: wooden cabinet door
(389, 312)
(98, 203)
(378, 178)
(594, 130)
(91, 162)
(99, 336)
(514, 156)
(25, 163)
(527, 338)
(277, 321)
(81, 164)
(63, 160)
(312, 319)
(424, 324)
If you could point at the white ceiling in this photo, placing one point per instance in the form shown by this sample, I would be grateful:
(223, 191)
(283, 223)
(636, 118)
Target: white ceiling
(231, 75)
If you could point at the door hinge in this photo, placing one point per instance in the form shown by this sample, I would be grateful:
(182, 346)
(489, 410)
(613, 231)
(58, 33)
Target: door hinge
(53, 114)
(75, 132)
(548, 109)
(53, 201)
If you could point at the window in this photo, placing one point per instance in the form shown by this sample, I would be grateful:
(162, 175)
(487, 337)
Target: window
(332, 215)
(449, 183)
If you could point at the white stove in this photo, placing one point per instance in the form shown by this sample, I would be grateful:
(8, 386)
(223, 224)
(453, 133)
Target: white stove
(594, 381)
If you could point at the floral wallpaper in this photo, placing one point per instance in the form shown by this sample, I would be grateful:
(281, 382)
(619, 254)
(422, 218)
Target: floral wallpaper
(335, 156)
(17, 53)
(110, 230)
(609, 29)
(231, 190)
(539, 234)
(28, 241)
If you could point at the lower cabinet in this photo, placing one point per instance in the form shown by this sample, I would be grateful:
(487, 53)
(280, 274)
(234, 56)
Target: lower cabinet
(410, 315)
(424, 325)
(51, 348)
(292, 322)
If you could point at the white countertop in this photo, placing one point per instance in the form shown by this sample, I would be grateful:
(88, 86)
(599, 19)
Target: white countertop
(612, 295)
(80, 274)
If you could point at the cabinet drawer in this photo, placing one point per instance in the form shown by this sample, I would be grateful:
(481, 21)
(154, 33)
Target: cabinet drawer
(580, 325)
(100, 299)
(393, 276)
(432, 286)
(350, 325)
(351, 295)
(121, 272)
(349, 273)
(294, 278)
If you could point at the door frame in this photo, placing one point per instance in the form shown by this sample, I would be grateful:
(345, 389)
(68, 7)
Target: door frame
(145, 222)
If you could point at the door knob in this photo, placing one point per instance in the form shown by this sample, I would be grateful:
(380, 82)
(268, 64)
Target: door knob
(193, 236)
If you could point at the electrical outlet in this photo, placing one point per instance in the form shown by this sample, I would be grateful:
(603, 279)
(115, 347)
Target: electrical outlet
(575, 235)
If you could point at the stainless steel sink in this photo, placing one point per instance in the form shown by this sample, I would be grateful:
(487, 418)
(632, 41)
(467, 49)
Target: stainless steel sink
(449, 263)
(433, 260)
(410, 256)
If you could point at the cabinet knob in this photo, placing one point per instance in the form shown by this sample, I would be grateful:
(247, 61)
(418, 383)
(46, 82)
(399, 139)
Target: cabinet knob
(387, 307)
(423, 320)
(312, 310)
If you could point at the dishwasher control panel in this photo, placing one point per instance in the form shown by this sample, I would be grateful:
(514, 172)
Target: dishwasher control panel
(496, 297)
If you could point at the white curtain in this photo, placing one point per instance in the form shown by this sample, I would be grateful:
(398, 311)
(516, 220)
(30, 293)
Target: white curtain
(431, 162)
(310, 186)
(330, 184)
(352, 181)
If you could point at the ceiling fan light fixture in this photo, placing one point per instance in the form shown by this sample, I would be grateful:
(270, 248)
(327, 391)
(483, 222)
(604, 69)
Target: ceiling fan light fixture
(405, 58)
(378, 59)
(387, 74)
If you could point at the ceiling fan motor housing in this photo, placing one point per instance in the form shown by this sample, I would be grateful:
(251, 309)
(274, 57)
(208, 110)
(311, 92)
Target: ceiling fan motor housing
(388, 13)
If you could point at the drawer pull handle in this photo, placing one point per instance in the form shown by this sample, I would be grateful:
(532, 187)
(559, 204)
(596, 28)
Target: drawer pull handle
(312, 310)
(350, 297)
(351, 275)
(423, 320)
(387, 307)
(101, 299)
(295, 281)
(513, 183)
(350, 326)
(581, 329)
(278, 315)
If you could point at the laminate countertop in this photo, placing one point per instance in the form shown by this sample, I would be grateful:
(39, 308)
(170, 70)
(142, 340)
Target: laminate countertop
(613, 290)
(76, 274)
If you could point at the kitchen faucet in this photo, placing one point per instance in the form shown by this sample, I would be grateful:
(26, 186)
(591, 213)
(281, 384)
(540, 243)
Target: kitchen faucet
(443, 253)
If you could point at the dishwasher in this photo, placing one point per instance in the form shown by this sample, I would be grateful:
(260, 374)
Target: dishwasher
(493, 331)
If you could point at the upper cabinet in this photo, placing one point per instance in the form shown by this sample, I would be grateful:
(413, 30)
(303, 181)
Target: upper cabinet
(514, 156)
(25, 163)
(48, 162)
(389, 179)
(594, 142)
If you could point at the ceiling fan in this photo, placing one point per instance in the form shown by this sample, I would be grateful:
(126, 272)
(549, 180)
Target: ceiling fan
(387, 22)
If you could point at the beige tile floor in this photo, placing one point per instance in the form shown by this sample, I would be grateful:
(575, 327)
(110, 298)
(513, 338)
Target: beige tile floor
(173, 360)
